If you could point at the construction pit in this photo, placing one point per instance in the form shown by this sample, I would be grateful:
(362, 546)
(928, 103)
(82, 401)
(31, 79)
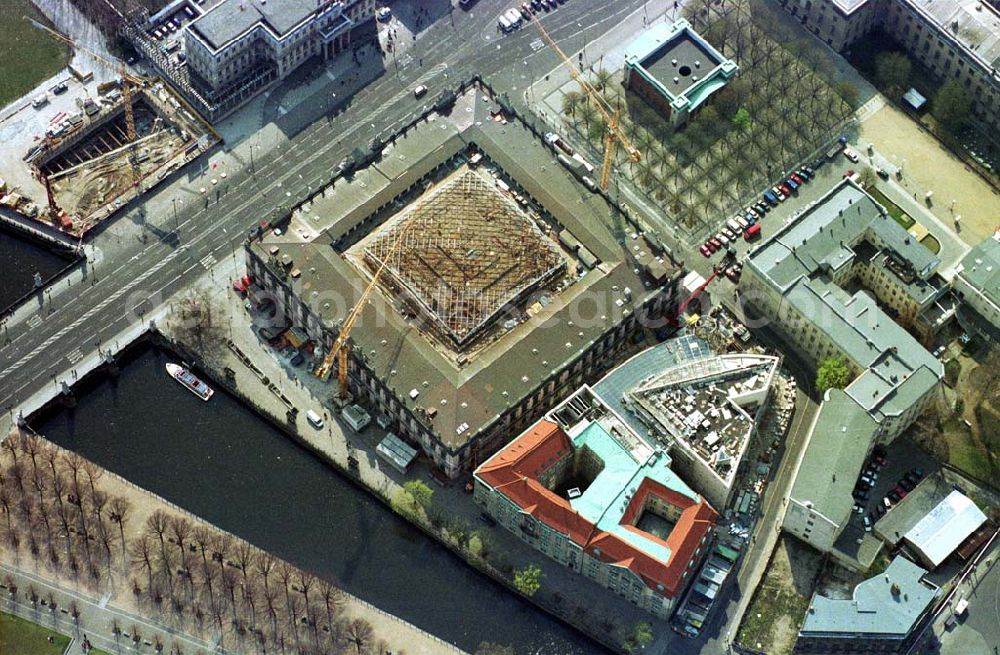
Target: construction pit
(87, 160)
(463, 260)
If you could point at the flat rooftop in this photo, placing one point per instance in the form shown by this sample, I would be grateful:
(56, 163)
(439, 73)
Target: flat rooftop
(682, 58)
(981, 268)
(975, 23)
(706, 404)
(457, 395)
(230, 18)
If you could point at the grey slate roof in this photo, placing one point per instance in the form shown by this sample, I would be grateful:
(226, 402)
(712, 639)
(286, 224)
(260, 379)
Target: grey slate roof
(836, 452)
(874, 609)
(231, 18)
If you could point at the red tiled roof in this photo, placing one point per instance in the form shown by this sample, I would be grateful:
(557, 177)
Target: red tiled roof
(513, 472)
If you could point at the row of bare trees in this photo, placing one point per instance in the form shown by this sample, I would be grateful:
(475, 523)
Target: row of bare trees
(182, 572)
(55, 511)
(700, 173)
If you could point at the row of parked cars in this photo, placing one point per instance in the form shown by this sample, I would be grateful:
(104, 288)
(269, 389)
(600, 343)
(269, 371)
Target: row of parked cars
(747, 222)
(511, 19)
(866, 482)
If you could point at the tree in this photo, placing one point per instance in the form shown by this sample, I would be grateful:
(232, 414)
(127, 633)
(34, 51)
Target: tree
(833, 373)
(892, 70)
(570, 101)
(867, 177)
(642, 636)
(951, 106)
(528, 580)
(602, 78)
(360, 632)
(741, 120)
(120, 510)
(200, 323)
(848, 92)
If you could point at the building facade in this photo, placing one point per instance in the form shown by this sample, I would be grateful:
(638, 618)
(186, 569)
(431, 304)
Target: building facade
(241, 46)
(582, 488)
(959, 40)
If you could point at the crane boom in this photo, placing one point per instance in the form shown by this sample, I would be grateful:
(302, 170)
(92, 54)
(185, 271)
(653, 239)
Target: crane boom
(127, 79)
(614, 133)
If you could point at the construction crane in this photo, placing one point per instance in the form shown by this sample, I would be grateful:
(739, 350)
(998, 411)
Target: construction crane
(127, 80)
(727, 259)
(613, 134)
(338, 352)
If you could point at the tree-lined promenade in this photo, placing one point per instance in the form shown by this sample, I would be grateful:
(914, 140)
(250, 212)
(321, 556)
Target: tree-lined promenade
(70, 522)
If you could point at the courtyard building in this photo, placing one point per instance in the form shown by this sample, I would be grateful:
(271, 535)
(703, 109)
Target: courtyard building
(501, 286)
(584, 489)
(830, 282)
(675, 70)
(956, 39)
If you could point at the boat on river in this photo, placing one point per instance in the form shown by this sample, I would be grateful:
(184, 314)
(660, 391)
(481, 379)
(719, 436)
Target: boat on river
(190, 381)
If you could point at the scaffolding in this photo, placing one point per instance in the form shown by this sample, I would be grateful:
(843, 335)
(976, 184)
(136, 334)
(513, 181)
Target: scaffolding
(472, 253)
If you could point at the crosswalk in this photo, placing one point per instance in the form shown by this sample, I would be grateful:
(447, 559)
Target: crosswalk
(35, 321)
(74, 356)
(208, 261)
(537, 45)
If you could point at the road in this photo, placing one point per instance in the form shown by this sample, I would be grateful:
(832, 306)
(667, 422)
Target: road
(152, 252)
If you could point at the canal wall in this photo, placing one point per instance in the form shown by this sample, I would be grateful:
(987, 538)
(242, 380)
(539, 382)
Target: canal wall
(228, 379)
(50, 241)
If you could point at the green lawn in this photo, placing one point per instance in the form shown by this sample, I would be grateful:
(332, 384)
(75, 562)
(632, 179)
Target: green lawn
(27, 54)
(894, 210)
(20, 637)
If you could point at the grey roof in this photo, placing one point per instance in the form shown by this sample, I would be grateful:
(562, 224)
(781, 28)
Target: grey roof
(798, 262)
(975, 24)
(231, 18)
(504, 371)
(837, 449)
(945, 527)
(981, 268)
(874, 609)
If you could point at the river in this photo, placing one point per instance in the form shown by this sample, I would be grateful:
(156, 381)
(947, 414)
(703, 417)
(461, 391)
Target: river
(20, 259)
(220, 461)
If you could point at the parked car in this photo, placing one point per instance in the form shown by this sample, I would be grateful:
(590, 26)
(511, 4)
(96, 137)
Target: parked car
(880, 510)
(861, 494)
(722, 238)
(770, 197)
(906, 484)
(809, 170)
(882, 173)
(752, 232)
(785, 189)
(715, 243)
(796, 178)
(704, 250)
(762, 208)
(851, 155)
(894, 496)
(849, 173)
(419, 91)
(59, 88)
(804, 173)
(779, 192)
(887, 503)
(729, 233)
(733, 274)
(899, 492)
(753, 212)
(868, 524)
(917, 471)
(792, 184)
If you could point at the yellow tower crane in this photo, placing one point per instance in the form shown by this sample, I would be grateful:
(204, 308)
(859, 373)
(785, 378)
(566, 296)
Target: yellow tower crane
(338, 352)
(614, 133)
(127, 81)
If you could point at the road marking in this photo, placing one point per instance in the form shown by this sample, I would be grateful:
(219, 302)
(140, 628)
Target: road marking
(208, 260)
(34, 321)
(406, 60)
(537, 45)
(74, 356)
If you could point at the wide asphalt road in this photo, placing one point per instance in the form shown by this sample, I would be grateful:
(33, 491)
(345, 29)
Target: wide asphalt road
(135, 277)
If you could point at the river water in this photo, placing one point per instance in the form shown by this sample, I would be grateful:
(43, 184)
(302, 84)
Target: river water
(223, 463)
(20, 259)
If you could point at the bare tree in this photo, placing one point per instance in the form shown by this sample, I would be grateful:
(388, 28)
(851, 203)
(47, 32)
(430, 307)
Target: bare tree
(198, 321)
(180, 532)
(142, 555)
(156, 524)
(121, 508)
(360, 633)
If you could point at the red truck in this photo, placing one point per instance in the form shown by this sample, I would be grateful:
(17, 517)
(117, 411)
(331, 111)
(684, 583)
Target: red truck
(752, 232)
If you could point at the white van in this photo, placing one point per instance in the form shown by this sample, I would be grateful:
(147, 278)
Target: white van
(504, 24)
(314, 419)
(513, 16)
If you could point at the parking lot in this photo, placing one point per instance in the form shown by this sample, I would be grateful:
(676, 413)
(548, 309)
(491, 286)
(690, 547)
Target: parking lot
(900, 457)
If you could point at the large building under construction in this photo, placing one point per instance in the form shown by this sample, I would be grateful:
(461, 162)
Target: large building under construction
(503, 283)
